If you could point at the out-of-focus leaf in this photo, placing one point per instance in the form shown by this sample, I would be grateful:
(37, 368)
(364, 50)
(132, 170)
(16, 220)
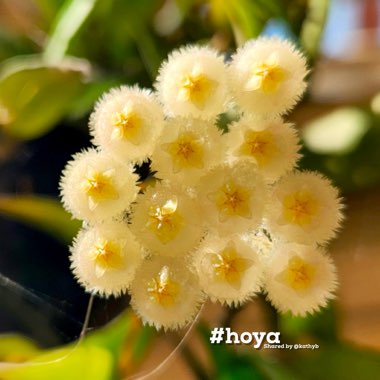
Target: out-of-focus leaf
(85, 101)
(48, 8)
(44, 213)
(68, 22)
(104, 350)
(339, 132)
(16, 348)
(81, 362)
(356, 169)
(246, 17)
(135, 17)
(322, 325)
(338, 362)
(35, 96)
(313, 25)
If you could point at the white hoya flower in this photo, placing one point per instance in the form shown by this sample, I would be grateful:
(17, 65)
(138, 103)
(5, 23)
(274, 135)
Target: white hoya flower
(232, 198)
(187, 149)
(194, 81)
(104, 258)
(304, 208)
(166, 220)
(268, 76)
(300, 279)
(229, 269)
(165, 293)
(95, 187)
(126, 123)
(271, 144)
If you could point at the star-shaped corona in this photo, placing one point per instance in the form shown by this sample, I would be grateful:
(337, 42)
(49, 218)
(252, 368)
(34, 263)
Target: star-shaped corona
(266, 76)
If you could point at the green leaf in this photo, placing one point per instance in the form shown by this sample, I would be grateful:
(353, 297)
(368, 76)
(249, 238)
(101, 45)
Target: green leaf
(322, 325)
(68, 22)
(247, 19)
(41, 212)
(16, 348)
(35, 96)
(104, 350)
(81, 362)
(338, 362)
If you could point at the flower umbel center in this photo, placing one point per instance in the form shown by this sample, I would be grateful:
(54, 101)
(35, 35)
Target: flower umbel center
(127, 126)
(163, 289)
(300, 207)
(165, 221)
(232, 200)
(266, 76)
(299, 274)
(186, 152)
(229, 266)
(196, 88)
(259, 145)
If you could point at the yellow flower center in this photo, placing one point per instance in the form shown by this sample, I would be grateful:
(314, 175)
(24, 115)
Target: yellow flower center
(196, 88)
(106, 255)
(300, 208)
(186, 152)
(232, 200)
(259, 145)
(165, 222)
(267, 75)
(228, 266)
(99, 186)
(299, 274)
(127, 125)
(162, 289)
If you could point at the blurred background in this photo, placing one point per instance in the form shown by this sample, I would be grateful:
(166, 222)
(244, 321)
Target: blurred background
(56, 58)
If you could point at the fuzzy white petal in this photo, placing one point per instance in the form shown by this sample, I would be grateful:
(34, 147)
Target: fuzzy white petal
(284, 57)
(214, 279)
(300, 300)
(271, 144)
(232, 197)
(304, 208)
(187, 149)
(98, 279)
(79, 173)
(183, 305)
(145, 123)
(177, 82)
(166, 220)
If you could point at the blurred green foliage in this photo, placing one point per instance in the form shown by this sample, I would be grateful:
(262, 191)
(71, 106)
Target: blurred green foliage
(96, 357)
(59, 56)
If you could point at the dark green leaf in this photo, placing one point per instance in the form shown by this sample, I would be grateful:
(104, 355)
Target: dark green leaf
(44, 213)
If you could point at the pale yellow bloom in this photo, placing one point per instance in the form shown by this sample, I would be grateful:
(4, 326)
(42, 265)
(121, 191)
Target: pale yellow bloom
(126, 123)
(194, 82)
(166, 220)
(229, 269)
(104, 258)
(95, 187)
(271, 144)
(300, 279)
(232, 197)
(304, 208)
(268, 76)
(165, 294)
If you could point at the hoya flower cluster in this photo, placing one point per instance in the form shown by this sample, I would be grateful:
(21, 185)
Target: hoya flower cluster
(228, 215)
